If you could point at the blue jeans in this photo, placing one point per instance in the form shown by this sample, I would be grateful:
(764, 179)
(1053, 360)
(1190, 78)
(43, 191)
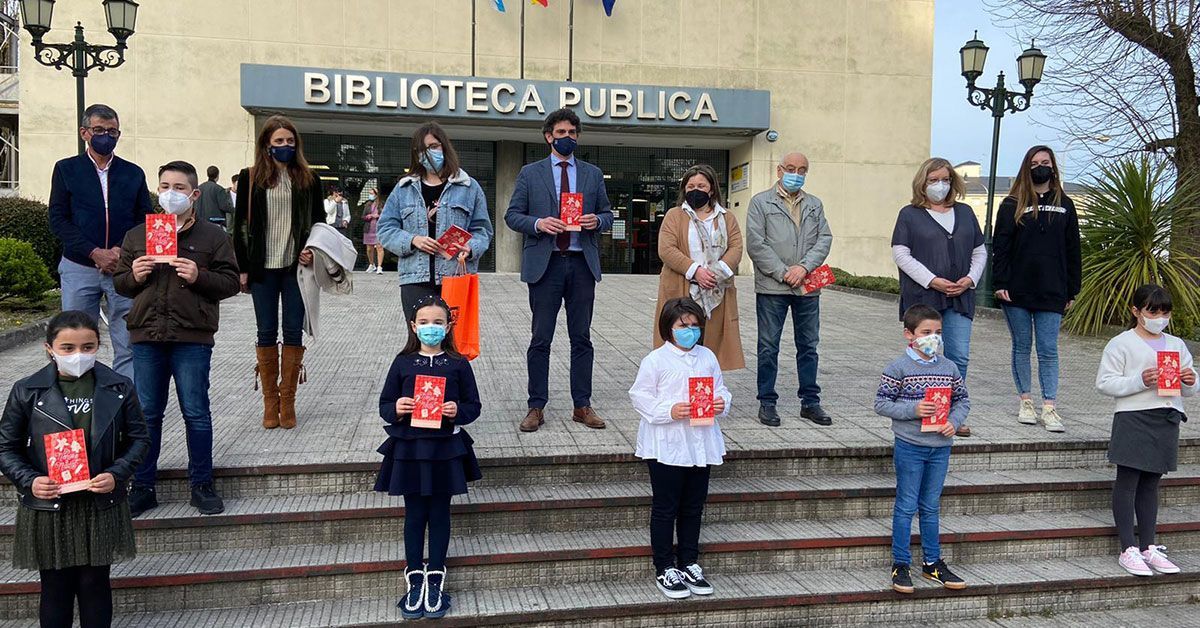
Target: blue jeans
(82, 287)
(772, 310)
(1026, 325)
(189, 364)
(920, 474)
(956, 335)
(275, 286)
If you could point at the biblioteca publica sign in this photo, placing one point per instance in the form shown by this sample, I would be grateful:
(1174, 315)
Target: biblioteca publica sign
(282, 87)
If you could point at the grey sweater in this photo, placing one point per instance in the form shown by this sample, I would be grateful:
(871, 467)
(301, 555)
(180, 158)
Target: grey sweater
(902, 386)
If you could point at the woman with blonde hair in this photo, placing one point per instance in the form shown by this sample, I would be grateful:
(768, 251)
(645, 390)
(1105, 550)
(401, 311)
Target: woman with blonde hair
(700, 244)
(938, 246)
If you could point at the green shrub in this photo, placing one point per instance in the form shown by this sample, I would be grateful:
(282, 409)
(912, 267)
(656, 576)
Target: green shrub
(29, 221)
(889, 285)
(22, 272)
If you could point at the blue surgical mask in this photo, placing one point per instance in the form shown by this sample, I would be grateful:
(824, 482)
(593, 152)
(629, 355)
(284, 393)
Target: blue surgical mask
(792, 181)
(564, 145)
(103, 144)
(283, 154)
(431, 335)
(433, 159)
(687, 337)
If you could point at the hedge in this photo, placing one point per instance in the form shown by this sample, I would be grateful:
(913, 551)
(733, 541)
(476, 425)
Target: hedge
(890, 285)
(22, 273)
(29, 221)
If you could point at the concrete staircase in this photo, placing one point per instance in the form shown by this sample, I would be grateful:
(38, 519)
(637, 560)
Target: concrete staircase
(791, 537)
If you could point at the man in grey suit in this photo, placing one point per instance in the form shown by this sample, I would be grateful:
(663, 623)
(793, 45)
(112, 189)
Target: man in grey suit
(560, 266)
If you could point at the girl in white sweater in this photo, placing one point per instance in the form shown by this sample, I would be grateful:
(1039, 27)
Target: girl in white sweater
(1145, 433)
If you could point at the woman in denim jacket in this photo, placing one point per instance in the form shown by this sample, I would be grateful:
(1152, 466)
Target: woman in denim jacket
(433, 196)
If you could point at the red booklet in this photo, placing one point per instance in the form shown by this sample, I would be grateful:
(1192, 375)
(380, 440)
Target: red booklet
(454, 240)
(570, 210)
(700, 397)
(162, 240)
(429, 393)
(820, 277)
(1169, 384)
(941, 397)
(66, 460)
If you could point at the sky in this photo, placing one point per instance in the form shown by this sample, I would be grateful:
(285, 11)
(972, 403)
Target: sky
(961, 132)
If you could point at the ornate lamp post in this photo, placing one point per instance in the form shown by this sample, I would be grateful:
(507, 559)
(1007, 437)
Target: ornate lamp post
(79, 55)
(999, 100)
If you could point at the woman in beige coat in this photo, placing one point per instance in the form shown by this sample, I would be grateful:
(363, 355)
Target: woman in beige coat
(700, 245)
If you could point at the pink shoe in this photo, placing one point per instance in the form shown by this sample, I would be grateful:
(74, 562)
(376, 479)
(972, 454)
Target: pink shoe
(1131, 560)
(1157, 560)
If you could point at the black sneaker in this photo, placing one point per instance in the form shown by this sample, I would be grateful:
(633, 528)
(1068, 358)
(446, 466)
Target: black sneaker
(901, 581)
(817, 415)
(206, 500)
(768, 416)
(693, 579)
(141, 499)
(940, 573)
(670, 582)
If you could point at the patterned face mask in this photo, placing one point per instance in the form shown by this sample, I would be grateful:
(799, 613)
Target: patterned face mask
(928, 345)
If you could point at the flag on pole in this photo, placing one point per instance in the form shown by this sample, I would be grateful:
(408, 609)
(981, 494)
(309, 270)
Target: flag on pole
(499, 5)
(545, 3)
(608, 7)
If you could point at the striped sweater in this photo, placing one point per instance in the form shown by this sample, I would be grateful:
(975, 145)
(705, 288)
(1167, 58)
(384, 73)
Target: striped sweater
(902, 386)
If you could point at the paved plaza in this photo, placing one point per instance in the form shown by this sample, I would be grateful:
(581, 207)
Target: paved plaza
(361, 333)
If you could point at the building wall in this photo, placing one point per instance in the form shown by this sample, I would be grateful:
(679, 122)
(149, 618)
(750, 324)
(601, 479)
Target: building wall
(850, 80)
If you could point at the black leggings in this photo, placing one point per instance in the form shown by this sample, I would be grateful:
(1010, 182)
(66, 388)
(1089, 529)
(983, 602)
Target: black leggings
(1135, 493)
(419, 512)
(61, 587)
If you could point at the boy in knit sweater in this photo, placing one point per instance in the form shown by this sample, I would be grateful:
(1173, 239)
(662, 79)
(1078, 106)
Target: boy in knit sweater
(921, 458)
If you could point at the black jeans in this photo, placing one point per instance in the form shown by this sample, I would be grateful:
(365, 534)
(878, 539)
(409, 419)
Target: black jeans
(675, 511)
(1135, 493)
(421, 512)
(278, 285)
(60, 589)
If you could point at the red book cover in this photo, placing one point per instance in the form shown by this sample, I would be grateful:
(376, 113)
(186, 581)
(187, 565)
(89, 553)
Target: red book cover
(162, 240)
(700, 397)
(454, 240)
(570, 210)
(429, 393)
(66, 460)
(941, 397)
(1169, 384)
(820, 277)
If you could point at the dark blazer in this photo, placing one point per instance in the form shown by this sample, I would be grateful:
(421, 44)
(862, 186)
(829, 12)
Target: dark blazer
(118, 442)
(534, 198)
(77, 212)
(249, 228)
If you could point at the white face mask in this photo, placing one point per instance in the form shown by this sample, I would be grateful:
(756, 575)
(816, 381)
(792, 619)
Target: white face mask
(1156, 325)
(937, 191)
(928, 345)
(174, 202)
(75, 364)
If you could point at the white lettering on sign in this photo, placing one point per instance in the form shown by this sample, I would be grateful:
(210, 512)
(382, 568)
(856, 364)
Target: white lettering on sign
(485, 97)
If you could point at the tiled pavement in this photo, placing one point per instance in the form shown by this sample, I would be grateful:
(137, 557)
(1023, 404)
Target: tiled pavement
(359, 334)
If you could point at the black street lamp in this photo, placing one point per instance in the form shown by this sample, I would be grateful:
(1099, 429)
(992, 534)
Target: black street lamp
(999, 100)
(79, 55)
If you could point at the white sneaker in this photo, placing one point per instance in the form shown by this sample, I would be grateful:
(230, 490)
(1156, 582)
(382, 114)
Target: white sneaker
(1131, 560)
(1027, 415)
(371, 268)
(379, 270)
(1052, 420)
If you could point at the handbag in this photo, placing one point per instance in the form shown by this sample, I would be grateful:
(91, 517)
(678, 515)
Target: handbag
(461, 293)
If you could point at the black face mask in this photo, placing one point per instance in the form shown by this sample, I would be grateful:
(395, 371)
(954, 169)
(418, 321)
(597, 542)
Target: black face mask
(696, 198)
(1041, 174)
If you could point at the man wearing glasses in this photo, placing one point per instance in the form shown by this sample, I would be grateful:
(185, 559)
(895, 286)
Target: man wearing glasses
(95, 198)
(787, 237)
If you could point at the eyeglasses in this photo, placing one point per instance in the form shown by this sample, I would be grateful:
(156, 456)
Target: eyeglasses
(99, 130)
(794, 169)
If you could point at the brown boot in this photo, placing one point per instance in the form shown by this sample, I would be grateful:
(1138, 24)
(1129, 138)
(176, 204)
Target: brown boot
(291, 374)
(588, 417)
(533, 420)
(267, 373)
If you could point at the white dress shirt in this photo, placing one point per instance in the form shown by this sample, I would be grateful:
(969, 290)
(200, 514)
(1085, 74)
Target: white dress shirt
(103, 174)
(662, 381)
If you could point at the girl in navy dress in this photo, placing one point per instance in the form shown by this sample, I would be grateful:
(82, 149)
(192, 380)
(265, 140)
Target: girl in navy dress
(427, 466)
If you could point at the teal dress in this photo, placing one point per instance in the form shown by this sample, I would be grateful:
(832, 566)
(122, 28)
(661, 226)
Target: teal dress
(79, 533)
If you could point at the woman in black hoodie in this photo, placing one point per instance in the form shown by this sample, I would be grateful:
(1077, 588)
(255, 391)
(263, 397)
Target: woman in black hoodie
(1036, 273)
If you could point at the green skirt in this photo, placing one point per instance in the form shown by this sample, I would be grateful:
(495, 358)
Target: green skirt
(79, 534)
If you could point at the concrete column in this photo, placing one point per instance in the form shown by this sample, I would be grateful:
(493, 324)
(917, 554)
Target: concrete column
(510, 157)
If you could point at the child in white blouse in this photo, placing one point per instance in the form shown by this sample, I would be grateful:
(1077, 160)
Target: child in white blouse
(679, 454)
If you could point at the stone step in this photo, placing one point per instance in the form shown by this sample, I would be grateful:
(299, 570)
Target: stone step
(602, 557)
(272, 521)
(1176, 616)
(1090, 586)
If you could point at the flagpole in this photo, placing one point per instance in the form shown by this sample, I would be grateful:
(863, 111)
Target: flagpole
(523, 3)
(571, 43)
(473, 2)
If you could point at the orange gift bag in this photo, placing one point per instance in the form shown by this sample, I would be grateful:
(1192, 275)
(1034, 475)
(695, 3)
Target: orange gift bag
(461, 293)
